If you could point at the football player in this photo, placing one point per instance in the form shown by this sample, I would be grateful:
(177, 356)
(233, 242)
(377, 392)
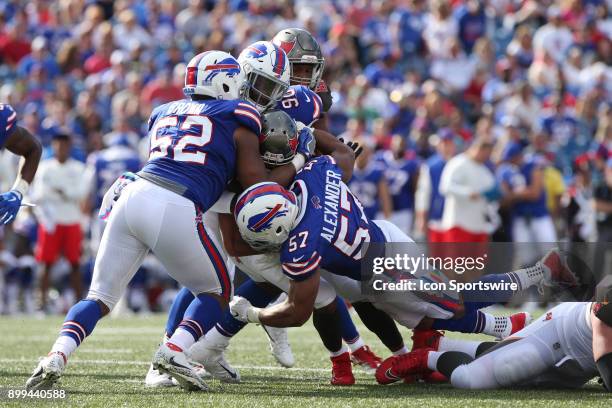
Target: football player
(266, 284)
(197, 146)
(19, 141)
(305, 106)
(566, 347)
(324, 228)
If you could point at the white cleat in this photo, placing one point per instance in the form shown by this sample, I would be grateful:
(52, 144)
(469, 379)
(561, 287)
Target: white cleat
(175, 363)
(279, 345)
(157, 379)
(47, 373)
(211, 357)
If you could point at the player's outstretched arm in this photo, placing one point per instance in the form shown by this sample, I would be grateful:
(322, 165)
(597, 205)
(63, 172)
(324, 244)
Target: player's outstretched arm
(344, 155)
(22, 143)
(297, 308)
(251, 168)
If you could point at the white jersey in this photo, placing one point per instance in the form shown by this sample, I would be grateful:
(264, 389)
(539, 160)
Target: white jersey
(575, 333)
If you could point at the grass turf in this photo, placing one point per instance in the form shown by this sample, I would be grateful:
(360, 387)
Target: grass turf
(109, 368)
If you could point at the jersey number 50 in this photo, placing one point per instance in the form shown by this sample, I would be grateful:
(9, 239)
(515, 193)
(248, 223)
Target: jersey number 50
(194, 133)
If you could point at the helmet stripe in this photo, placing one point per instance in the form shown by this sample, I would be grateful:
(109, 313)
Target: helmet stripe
(280, 61)
(261, 190)
(267, 217)
(221, 66)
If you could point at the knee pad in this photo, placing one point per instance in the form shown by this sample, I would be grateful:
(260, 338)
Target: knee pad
(108, 300)
(325, 295)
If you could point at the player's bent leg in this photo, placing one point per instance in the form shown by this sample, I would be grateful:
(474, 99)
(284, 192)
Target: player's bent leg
(120, 255)
(279, 341)
(209, 351)
(327, 322)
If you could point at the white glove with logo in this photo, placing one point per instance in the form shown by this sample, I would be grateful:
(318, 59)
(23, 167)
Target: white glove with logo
(242, 310)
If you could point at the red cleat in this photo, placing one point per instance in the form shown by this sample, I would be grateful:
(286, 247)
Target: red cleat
(519, 321)
(560, 274)
(435, 377)
(385, 373)
(366, 358)
(405, 367)
(342, 370)
(428, 338)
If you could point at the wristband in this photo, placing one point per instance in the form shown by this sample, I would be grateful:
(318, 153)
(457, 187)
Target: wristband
(253, 314)
(21, 186)
(298, 162)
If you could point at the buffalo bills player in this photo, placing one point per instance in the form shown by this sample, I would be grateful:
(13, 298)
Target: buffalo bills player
(304, 105)
(19, 141)
(328, 236)
(197, 146)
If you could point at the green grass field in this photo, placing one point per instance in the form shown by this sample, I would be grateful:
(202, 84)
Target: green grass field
(108, 371)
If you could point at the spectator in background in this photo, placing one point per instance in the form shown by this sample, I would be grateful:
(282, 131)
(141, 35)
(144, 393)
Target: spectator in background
(128, 35)
(553, 38)
(466, 183)
(472, 21)
(370, 186)
(440, 29)
(39, 56)
(14, 44)
(383, 72)
(406, 26)
(58, 190)
(160, 90)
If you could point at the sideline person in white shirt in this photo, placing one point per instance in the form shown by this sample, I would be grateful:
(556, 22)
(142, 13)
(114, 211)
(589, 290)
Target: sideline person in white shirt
(58, 191)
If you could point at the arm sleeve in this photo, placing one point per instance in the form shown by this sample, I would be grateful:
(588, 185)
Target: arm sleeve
(302, 270)
(248, 116)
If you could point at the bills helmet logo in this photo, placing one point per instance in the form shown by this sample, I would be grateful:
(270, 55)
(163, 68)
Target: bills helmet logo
(263, 221)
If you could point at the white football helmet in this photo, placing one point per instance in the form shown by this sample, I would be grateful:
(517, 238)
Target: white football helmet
(265, 214)
(215, 74)
(267, 71)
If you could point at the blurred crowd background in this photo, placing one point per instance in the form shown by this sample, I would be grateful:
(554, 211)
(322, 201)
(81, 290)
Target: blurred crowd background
(516, 93)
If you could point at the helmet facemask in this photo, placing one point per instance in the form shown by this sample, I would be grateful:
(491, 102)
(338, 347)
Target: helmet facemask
(262, 89)
(300, 68)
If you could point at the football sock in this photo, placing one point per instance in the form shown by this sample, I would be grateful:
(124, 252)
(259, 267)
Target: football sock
(327, 323)
(350, 335)
(180, 304)
(469, 347)
(401, 351)
(498, 326)
(79, 323)
(201, 315)
(381, 324)
(259, 297)
(343, 349)
(446, 362)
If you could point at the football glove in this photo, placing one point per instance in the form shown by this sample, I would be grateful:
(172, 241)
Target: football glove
(354, 146)
(306, 143)
(241, 309)
(9, 206)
